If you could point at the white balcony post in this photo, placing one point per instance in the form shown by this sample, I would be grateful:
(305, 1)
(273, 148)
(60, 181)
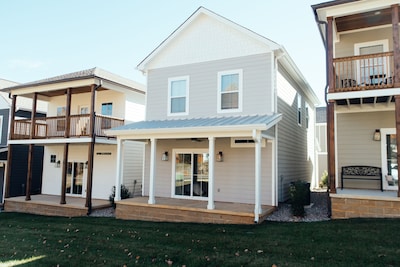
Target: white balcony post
(118, 180)
(153, 151)
(257, 206)
(211, 163)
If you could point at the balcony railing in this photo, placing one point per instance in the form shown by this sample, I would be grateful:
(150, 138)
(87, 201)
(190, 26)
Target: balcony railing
(364, 72)
(54, 127)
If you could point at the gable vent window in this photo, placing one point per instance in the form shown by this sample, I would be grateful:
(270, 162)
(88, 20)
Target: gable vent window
(245, 142)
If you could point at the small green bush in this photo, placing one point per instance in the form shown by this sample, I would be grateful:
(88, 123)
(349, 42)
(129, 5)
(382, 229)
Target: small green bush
(299, 196)
(124, 194)
(324, 180)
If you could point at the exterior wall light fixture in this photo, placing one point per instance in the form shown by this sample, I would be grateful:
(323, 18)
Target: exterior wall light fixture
(377, 135)
(165, 156)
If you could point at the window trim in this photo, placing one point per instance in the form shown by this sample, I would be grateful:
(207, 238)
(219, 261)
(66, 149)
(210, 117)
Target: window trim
(299, 110)
(240, 91)
(173, 79)
(193, 151)
(106, 103)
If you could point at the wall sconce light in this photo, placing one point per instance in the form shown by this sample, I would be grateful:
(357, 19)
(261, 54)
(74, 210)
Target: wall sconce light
(58, 164)
(377, 135)
(220, 157)
(86, 164)
(165, 156)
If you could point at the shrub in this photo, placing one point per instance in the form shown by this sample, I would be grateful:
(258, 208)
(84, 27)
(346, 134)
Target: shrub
(124, 194)
(324, 180)
(299, 196)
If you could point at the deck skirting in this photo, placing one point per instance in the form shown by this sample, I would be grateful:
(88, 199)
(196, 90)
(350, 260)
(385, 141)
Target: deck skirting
(344, 207)
(167, 213)
(44, 209)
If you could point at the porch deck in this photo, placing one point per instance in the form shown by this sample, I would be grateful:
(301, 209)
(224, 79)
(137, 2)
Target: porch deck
(186, 210)
(356, 203)
(50, 205)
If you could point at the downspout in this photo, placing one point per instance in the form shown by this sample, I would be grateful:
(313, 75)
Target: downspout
(92, 144)
(320, 22)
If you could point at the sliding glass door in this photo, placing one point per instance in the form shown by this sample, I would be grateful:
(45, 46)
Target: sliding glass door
(75, 178)
(389, 159)
(191, 174)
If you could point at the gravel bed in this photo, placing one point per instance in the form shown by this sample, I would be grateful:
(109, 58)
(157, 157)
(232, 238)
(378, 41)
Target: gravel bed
(317, 211)
(106, 212)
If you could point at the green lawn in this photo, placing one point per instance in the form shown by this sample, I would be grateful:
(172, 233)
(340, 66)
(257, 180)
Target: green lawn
(52, 241)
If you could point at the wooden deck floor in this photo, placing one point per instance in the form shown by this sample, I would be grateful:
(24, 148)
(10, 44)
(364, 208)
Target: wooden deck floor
(50, 205)
(187, 210)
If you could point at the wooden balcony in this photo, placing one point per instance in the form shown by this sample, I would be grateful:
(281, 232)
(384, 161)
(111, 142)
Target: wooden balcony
(54, 127)
(366, 72)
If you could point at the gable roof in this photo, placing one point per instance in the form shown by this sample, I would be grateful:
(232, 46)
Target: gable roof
(202, 10)
(279, 51)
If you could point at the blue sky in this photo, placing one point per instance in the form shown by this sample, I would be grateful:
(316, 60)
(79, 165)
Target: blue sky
(45, 38)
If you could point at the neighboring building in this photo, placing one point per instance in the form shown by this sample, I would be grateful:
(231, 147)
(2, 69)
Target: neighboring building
(22, 110)
(321, 145)
(79, 159)
(229, 118)
(363, 105)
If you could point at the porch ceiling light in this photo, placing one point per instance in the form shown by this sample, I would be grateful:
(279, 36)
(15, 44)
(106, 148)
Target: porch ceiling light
(377, 135)
(220, 157)
(165, 156)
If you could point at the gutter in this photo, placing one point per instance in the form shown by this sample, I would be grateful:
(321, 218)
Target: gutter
(325, 41)
(92, 144)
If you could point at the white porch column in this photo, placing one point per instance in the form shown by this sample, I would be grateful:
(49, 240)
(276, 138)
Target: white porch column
(153, 151)
(257, 207)
(211, 163)
(118, 177)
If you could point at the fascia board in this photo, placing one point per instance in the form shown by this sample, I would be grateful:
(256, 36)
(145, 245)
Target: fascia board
(51, 87)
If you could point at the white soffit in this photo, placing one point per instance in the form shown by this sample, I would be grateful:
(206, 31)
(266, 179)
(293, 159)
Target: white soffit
(354, 7)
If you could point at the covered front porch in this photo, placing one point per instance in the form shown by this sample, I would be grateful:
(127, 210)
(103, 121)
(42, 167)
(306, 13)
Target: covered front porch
(49, 205)
(187, 210)
(204, 162)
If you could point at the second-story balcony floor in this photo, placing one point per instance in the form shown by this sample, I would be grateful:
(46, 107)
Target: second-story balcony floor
(364, 72)
(55, 127)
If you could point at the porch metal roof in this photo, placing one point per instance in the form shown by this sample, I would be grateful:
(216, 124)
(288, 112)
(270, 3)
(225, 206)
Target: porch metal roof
(197, 123)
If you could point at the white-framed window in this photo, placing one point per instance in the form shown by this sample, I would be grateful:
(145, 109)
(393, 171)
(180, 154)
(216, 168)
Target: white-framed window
(84, 110)
(307, 115)
(299, 109)
(61, 112)
(178, 96)
(230, 91)
(106, 109)
(372, 70)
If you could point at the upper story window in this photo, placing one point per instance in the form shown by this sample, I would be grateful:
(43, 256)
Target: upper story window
(106, 109)
(374, 70)
(230, 85)
(178, 96)
(299, 109)
(307, 115)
